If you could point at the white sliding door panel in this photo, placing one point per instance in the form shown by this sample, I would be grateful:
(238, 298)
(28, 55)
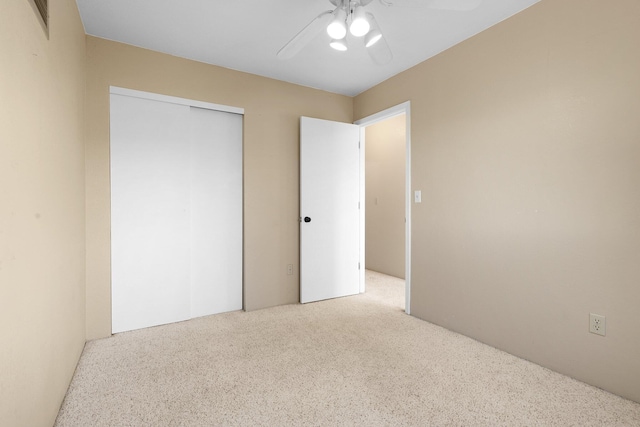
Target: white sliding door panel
(176, 210)
(216, 212)
(149, 213)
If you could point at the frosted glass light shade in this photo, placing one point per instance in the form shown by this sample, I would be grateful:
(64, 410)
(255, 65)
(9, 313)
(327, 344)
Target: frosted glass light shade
(337, 29)
(359, 25)
(340, 45)
(372, 38)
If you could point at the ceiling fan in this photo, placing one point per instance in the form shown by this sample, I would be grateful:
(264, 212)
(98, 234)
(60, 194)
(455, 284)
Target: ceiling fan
(351, 15)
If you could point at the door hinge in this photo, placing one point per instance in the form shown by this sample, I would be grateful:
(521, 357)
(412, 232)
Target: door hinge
(358, 266)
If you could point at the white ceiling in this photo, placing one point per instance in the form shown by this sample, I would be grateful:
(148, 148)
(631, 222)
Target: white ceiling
(245, 35)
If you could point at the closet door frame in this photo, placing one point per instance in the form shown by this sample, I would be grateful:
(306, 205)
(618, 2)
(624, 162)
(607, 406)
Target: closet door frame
(113, 90)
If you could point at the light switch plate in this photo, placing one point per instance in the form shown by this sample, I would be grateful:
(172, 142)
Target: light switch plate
(418, 196)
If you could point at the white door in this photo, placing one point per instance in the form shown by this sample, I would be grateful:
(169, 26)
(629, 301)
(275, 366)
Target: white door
(149, 213)
(216, 212)
(176, 212)
(329, 209)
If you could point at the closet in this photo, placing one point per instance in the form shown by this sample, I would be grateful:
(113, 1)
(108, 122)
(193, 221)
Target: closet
(176, 209)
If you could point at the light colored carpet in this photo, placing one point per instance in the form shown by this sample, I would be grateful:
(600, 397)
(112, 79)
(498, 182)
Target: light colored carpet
(350, 361)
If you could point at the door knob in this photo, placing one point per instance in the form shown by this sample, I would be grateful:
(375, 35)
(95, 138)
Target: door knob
(307, 219)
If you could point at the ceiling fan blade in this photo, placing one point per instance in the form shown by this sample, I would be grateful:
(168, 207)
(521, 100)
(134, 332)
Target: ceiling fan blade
(455, 5)
(380, 52)
(305, 35)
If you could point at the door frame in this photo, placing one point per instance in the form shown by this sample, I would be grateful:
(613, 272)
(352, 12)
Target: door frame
(151, 96)
(404, 108)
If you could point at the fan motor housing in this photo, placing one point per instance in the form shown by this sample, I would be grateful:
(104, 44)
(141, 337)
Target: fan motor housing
(361, 2)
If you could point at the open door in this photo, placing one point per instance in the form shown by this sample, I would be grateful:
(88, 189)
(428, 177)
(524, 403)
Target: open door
(329, 209)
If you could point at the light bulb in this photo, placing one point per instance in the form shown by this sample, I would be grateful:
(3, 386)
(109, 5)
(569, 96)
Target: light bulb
(337, 29)
(372, 37)
(359, 25)
(340, 45)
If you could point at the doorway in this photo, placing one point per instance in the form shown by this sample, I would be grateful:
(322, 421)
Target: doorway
(386, 187)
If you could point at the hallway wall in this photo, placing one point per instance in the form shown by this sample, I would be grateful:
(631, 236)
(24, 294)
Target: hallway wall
(385, 176)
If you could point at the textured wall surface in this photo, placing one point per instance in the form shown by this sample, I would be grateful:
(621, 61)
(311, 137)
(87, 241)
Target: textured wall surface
(42, 299)
(526, 146)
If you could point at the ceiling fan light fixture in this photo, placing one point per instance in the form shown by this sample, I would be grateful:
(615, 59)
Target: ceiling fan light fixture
(372, 37)
(375, 34)
(340, 45)
(359, 24)
(337, 29)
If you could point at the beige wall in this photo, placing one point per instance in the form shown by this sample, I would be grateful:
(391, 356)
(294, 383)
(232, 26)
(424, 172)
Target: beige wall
(526, 146)
(42, 310)
(385, 196)
(271, 128)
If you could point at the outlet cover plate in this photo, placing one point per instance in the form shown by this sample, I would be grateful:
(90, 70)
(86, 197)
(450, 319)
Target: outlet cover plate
(597, 324)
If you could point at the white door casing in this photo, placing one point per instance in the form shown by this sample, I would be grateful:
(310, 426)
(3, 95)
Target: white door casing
(329, 209)
(404, 108)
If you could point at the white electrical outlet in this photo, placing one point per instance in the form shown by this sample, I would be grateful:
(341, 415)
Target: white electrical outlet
(597, 324)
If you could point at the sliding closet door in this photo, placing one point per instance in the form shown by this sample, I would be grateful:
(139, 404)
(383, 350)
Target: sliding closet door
(216, 212)
(150, 227)
(176, 212)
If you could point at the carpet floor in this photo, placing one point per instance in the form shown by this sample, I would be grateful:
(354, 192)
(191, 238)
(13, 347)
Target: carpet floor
(350, 361)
